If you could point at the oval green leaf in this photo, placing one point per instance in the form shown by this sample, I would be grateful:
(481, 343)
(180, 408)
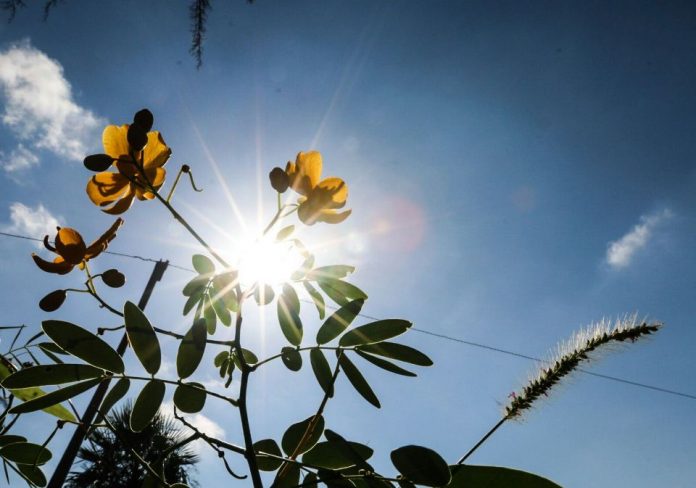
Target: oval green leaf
(296, 432)
(268, 446)
(421, 465)
(202, 264)
(337, 455)
(496, 477)
(292, 359)
(358, 380)
(336, 271)
(26, 453)
(191, 349)
(209, 316)
(190, 397)
(288, 308)
(42, 402)
(341, 292)
(386, 365)
(51, 374)
(220, 308)
(263, 294)
(378, 331)
(322, 370)
(6, 440)
(290, 478)
(146, 405)
(142, 338)
(339, 321)
(117, 392)
(33, 473)
(399, 352)
(316, 298)
(83, 344)
(195, 286)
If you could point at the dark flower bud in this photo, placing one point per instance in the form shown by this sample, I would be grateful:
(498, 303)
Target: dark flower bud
(186, 168)
(279, 180)
(98, 162)
(144, 119)
(52, 301)
(113, 278)
(137, 137)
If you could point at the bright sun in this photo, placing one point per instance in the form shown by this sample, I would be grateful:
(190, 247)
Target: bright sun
(268, 261)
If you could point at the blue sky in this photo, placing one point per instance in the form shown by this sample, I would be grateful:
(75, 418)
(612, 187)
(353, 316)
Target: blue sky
(515, 172)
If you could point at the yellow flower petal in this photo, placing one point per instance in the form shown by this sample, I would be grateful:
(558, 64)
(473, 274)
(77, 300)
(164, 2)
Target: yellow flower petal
(101, 244)
(70, 246)
(309, 165)
(156, 176)
(115, 141)
(334, 190)
(104, 188)
(156, 151)
(333, 217)
(59, 266)
(122, 205)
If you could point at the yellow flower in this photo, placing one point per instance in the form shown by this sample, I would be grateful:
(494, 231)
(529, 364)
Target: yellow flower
(72, 250)
(320, 198)
(114, 191)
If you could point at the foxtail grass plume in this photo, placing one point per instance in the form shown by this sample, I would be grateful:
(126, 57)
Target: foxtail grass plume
(572, 353)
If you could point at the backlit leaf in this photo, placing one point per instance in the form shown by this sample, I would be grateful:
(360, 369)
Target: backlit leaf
(336, 455)
(378, 331)
(296, 432)
(209, 316)
(83, 344)
(202, 264)
(193, 301)
(142, 338)
(263, 294)
(196, 285)
(51, 374)
(290, 477)
(33, 473)
(220, 309)
(421, 466)
(268, 446)
(55, 397)
(496, 477)
(26, 453)
(322, 371)
(399, 352)
(386, 365)
(190, 397)
(337, 271)
(11, 439)
(288, 308)
(339, 321)
(340, 291)
(316, 298)
(146, 405)
(117, 392)
(291, 358)
(285, 232)
(249, 358)
(191, 349)
(358, 380)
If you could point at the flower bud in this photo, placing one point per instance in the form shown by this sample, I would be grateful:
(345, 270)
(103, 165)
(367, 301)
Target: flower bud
(144, 119)
(137, 137)
(279, 180)
(113, 278)
(52, 301)
(98, 162)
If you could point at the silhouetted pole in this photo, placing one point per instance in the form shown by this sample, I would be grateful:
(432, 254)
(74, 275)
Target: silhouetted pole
(66, 461)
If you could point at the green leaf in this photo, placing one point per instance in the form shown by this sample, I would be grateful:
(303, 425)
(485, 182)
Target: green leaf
(339, 321)
(421, 465)
(340, 291)
(263, 294)
(51, 374)
(290, 479)
(191, 349)
(220, 309)
(142, 338)
(26, 453)
(54, 397)
(7, 439)
(268, 446)
(202, 264)
(285, 232)
(322, 371)
(333, 479)
(289, 315)
(53, 357)
(146, 405)
(292, 359)
(310, 480)
(295, 433)
(374, 332)
(496, 477)
(358, 380)
(195, 286)
(399, 352)
(117, 392)
(190, 397)
(386, 365)
(83, 344)
(249, 358)
(337, 271)
(225, 285)
(33, 473)
(193, 301)
(316, 298)
(337, 455)
(209, 316)
(50, 346)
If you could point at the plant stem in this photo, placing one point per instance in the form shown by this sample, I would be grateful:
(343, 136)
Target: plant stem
(483, 439)
(176, 182)
(232, 401)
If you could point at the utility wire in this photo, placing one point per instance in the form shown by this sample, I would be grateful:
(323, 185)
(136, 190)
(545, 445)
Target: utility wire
(422, 331)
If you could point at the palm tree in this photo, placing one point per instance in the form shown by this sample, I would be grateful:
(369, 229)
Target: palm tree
(108, 462)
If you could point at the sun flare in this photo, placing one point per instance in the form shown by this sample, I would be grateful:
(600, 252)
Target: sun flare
(268, 261)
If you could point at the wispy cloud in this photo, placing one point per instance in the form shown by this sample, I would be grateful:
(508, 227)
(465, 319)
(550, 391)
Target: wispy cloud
(204, 424)
(40, 110)
(621, 252)
(32, 222)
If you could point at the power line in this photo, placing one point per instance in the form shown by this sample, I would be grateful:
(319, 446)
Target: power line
(422, 331)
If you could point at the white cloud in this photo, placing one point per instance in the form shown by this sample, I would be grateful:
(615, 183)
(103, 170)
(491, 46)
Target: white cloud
(39, 107)
(620, 253)
(32, 222)
(204, 424)
(19, 159)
